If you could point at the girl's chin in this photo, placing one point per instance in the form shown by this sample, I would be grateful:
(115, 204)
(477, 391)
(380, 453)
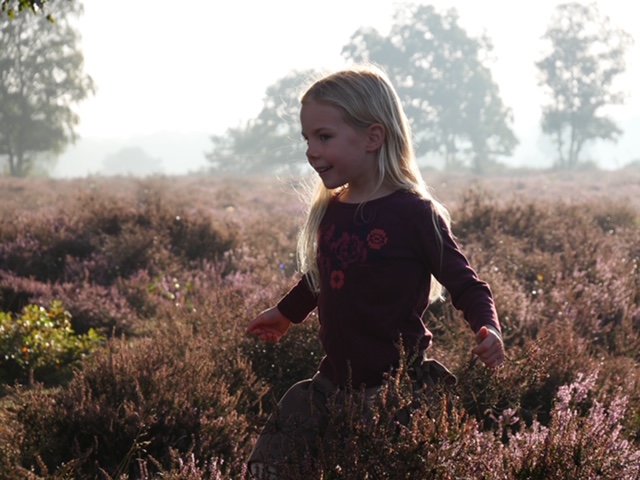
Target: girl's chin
(331, 184)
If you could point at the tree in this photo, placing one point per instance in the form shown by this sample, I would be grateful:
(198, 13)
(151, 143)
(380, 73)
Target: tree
(448, 94)
(270, 141)
(40, 78)
(131, 161)
(11, 7)
(586, 56)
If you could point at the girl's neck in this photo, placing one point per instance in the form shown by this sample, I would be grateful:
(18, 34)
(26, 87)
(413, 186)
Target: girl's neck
(350, 196)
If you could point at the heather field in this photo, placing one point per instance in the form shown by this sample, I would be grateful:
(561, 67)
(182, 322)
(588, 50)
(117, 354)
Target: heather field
(123, 351)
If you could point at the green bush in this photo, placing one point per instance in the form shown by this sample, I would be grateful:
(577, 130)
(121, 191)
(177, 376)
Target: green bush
(40, 342)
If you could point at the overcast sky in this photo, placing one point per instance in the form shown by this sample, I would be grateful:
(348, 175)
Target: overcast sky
(204, 66)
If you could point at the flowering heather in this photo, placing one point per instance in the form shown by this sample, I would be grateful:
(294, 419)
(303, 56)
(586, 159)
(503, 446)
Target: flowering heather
(170, 270)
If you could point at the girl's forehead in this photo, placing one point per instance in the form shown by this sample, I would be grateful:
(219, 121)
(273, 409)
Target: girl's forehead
(319, 107)
(317, 112)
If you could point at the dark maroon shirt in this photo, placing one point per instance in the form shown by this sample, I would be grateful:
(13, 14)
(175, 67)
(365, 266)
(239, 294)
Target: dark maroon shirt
(375, 264)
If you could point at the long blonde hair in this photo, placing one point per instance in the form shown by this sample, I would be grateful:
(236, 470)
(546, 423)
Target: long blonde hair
(365, 96)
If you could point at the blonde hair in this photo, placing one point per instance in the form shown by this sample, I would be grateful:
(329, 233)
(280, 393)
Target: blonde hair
(365, 96)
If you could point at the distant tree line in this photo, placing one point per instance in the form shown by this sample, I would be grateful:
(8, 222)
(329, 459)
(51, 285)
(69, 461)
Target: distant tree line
(440, 72)
(449, 93)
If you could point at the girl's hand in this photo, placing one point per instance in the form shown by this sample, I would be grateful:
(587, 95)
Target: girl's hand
(489, 348)
(269, 326)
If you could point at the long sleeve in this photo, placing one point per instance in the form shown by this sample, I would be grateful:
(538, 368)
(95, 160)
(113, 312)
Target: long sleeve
(299, 302)
(469, 294)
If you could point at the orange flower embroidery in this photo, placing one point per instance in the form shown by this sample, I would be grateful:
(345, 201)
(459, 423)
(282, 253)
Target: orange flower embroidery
(337, 279)
(377, 239)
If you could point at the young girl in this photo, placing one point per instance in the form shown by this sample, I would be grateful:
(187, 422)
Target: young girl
(376, 248)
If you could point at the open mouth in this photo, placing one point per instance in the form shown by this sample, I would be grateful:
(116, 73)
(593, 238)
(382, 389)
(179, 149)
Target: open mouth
(321, 170)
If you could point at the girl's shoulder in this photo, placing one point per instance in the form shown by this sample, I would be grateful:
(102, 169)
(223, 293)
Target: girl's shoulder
(416, 208)
(412, 200)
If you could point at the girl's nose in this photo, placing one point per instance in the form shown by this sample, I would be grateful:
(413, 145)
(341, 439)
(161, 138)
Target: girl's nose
(311, 153)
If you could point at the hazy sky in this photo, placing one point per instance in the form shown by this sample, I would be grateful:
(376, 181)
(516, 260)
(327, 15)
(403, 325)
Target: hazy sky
(204, 66)
(170, 74)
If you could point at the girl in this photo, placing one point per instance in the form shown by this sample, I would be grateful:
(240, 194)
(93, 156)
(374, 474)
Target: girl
(376, 248)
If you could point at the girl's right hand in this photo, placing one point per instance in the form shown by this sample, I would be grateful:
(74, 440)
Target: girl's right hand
(269, 326)
(489, 348)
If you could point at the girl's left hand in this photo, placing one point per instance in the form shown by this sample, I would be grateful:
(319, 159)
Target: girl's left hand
(489, 348)
(270, 325)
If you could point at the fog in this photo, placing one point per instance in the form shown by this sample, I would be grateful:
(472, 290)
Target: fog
(167, 80)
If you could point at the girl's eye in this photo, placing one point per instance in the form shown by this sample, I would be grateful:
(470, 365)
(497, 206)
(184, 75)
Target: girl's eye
(323, 137)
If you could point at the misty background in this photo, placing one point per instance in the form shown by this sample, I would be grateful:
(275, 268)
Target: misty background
(169, 79)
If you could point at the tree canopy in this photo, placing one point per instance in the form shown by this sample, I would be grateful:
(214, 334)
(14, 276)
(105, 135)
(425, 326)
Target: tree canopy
(41, 73)
(448, 93)
(12, 7)
(578, 73)
(270, 142)
(131, 161)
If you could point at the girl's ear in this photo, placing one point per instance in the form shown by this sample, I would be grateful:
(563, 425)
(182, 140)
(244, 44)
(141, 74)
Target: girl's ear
(375, 137)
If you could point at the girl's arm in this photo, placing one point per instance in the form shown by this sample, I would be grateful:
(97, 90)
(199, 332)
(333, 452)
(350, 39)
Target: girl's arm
(271, 324)
(469, 294)
(299, 302)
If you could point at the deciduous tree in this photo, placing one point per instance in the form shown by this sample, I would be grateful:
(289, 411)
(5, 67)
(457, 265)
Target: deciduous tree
(131, 161)
(272, 140)
(12, 7)
(448, 93)
(41, 77)
(578, 73)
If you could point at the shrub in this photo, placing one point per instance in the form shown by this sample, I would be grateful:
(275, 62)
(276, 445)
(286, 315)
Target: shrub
(41, 342)
(141, 402)
(86, 251)
(584, 439)
(185, 392)
(296, 357)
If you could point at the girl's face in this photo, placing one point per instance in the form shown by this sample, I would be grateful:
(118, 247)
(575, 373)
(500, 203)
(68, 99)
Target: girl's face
(339, 153)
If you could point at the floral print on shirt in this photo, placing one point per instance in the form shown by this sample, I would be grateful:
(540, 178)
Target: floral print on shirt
(377, 239)
(344, 249)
